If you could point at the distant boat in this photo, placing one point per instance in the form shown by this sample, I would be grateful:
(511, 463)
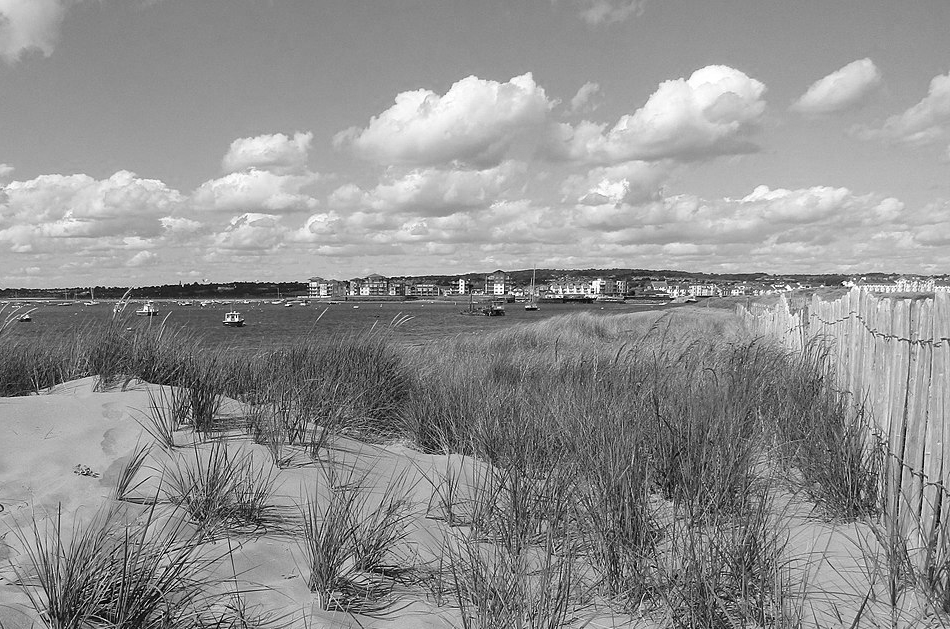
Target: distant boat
(495, 309)
(184, 303)
(355, 307)
(90, 303)
(532, 298)
(233, 319)
(148, 309)
(289, 304)
(24, 318)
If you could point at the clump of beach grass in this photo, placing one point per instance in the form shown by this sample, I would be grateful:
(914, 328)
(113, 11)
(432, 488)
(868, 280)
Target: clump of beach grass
(221, 489)
(116, 573)
(347, 537)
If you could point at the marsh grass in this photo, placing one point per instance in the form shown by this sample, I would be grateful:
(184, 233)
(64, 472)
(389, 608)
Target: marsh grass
(116, 573)
(221, 490)
(827, 436)
(494, 588)
(124, 481)
(167, 414)
(629, 460)
(346, 537)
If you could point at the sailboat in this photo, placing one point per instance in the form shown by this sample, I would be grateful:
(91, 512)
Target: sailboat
(92, 298)
(532, 298)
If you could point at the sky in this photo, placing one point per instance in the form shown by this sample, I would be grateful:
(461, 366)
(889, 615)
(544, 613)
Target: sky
(163, 141)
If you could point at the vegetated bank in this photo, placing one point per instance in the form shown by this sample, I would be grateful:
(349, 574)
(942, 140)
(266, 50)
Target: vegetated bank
(660, 469)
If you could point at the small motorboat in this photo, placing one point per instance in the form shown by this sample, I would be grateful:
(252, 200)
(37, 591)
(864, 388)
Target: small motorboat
(233, 319)
(148, 309)
(24, 318)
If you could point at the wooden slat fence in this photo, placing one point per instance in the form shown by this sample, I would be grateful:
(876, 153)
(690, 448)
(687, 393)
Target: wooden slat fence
(893, 355)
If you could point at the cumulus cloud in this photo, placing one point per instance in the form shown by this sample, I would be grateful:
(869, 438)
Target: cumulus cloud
(476, 121)
(586, 98)
(628, 183)
(29, 25)
(256, 191)
(274, 152)
(710, 113)
(841, 90)
(597, 12)
(142, 258)
(6, 172)
(926, 122)
(34, 213)
(250, 232)
(430, 191)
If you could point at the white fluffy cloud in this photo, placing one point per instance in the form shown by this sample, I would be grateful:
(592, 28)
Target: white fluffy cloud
(6, 171)
(274, 152)
(37, 212)
(142, 258)
(926, 122)
(256, 191)
(29, 25)
(841, 90)
(430, 191)
(250, 232)
(628, 183)
(476, 121)
(596, 12)
(710, 113)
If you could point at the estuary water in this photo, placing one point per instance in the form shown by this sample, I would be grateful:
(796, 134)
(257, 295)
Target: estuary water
(268, 325)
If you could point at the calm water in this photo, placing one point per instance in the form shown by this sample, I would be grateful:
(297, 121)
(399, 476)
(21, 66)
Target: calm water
(268, 325)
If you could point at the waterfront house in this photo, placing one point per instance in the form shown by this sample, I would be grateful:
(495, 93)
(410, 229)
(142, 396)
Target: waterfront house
(374, 285)
(498, 283)
(318, 287)
(704, 290)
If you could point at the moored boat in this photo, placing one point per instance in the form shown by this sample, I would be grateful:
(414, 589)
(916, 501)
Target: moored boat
(233, 319)
(532, 297)
(148, 309)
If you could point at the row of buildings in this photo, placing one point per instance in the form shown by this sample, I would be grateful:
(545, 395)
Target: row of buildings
(500, 284)
(902, 284)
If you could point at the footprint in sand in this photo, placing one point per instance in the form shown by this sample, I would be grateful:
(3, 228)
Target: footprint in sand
(108, 442)
(111, 410)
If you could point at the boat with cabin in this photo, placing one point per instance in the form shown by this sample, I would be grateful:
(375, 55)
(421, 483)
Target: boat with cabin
(233, 319)
(148, 309)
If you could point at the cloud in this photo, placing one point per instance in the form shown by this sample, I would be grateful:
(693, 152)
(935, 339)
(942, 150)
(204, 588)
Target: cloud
(29, 25)
(476, 122)
(274, 152)
(597, 12)
(430, 191)
(58, 208)
(841, 90)
(6, 172)
(628, 183)
(927, 122)
(256, 190)
(586, 99)
(142, 258)
(250, 232)
(711, 113)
